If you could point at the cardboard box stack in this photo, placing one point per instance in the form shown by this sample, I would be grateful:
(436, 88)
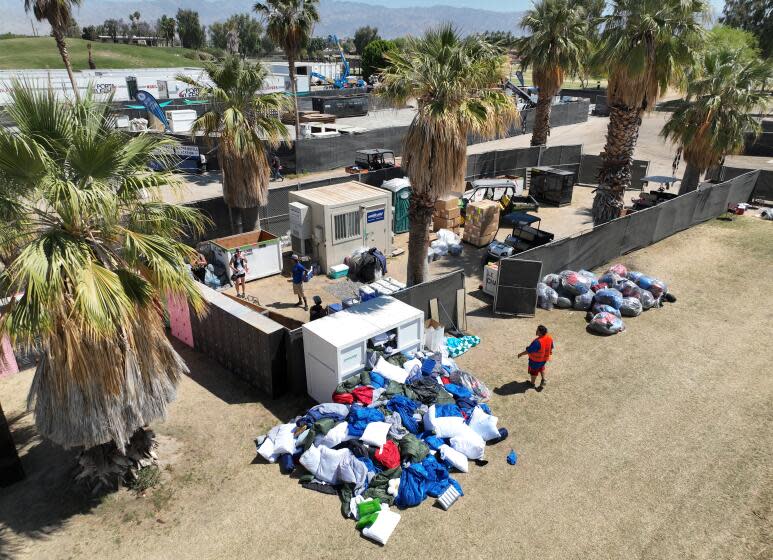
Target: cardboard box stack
(447, 215)
(481, 222)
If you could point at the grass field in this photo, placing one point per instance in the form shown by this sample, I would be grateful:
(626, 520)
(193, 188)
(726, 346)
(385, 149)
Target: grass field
(41, 52)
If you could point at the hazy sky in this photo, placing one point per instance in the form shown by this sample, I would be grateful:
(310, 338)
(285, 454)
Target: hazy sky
(499, 5)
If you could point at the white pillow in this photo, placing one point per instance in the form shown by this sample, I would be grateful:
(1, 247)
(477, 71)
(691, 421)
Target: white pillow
(445, 426)
(390, 371)
(469, 443)
(375, 433)
(337, 434)
(456, 459)
(310, 459)
(266, 450)
(383, 527)
(485, 425)
(410, 364)
(329, 460)
(284, 442)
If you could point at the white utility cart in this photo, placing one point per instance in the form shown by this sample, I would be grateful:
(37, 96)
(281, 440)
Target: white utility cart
(335, 346)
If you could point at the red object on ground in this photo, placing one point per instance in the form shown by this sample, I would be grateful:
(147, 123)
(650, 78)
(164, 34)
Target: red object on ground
(445, 380)
(388, 456)
(343, 398)
(363, 394)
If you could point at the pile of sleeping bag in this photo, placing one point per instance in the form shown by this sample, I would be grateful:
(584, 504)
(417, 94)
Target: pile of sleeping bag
(608, 298)
(392, 437)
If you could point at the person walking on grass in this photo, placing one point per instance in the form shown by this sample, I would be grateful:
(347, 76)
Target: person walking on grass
(299, 276)
(539, 351)
(239, 270)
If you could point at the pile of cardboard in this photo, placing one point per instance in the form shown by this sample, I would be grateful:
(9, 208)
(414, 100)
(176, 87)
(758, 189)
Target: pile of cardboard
(481, 222)
(447, 215)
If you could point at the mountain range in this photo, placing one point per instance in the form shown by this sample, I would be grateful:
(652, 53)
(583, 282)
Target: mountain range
(336, 16)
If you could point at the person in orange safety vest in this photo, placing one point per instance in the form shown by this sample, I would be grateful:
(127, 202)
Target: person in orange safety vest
(540, 350)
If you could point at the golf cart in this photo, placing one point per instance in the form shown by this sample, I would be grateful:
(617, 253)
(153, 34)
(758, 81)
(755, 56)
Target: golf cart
(654, 197)
(526, 235)
(508, 192)
(372, 160)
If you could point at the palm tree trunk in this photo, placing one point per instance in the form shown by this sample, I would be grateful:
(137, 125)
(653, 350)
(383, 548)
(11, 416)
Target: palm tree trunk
(11, 470)
(251, 218)
(690, 179)
(420, 212)
(539, 136)
(294, 89)
(617, 160)
(235, 214)
(62, 46)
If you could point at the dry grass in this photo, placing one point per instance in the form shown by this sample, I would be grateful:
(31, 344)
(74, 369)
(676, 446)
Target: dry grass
(650, 444)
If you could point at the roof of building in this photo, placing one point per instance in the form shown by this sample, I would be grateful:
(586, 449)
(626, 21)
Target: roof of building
(342, 193)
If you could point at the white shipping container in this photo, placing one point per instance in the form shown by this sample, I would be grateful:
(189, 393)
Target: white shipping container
(335, 347)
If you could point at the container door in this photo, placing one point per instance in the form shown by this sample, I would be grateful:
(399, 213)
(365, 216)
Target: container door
(374, 230)
(401, 205)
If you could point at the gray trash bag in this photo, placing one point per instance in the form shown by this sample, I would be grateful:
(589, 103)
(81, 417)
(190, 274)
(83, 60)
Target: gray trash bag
(631, 307)
(575, 283)
(564, 302)
(583, 301)
(552, 281)
(648, 301)
(547, 297)
(629, 289)
(606, 323)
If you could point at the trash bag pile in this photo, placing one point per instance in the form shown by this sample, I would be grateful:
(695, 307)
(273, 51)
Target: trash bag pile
(607, 298)
(392, 437)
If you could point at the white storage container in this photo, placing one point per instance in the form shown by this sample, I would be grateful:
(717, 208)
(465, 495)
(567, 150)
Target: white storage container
(262, 249)
(335, 346)
(181, 121)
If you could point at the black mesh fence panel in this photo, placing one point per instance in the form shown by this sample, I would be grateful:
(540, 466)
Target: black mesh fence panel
(443, 289)
(517, 286)
(675, 215)
(640, 229)
(712, 202)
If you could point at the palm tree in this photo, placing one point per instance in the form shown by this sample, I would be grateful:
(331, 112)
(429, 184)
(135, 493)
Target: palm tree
(246, 121)
(58, 13)
(289, 24)
(558, 37)
(455, 82)
(715, 118)
(645, 47)
(86, 241)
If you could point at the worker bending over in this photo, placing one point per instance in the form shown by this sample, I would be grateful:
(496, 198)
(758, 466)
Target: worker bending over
(540, 350)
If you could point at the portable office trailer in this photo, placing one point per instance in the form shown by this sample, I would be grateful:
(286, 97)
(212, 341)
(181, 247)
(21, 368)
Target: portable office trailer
(344, 218)
(262, 249)
(335, 347)
(401, 198)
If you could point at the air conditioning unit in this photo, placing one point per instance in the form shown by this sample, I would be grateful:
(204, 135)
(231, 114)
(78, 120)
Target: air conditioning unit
(300, 221)
(302, 247)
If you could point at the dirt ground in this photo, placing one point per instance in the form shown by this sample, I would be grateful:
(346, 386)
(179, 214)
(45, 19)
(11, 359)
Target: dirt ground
(655, 443)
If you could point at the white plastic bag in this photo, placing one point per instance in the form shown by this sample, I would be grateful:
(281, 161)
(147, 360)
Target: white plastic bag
(469, 443)
(454, 458)
(382, 527)
(485, 425)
